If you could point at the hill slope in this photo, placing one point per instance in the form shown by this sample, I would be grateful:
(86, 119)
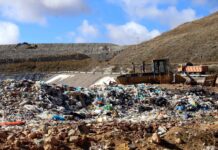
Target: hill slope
(101, 51)
(188, 42)
(25, 57)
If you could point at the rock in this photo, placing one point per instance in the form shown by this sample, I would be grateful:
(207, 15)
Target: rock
(44, 128)
(51, 140)
(50, 131)
(84, 143)
(3, 134)
(73, 139)
(62, 136)
(100, 119)
(178, 141)
(155, 138)
(17, 143)
(132, 146)
(11, 137)
(84, 129)
(48, 147)
(71, 132)
(35, 135)
(210, 147)
(38, 142)
(32, 135)
(26, 132)
(109, 145)
(162, 130)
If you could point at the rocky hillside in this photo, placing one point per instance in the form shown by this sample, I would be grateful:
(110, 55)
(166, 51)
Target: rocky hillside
(25, 57)
(195, 41)
(34, 51)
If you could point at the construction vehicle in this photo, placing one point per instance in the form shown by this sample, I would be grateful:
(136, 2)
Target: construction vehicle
(192, 69)
(160, 74)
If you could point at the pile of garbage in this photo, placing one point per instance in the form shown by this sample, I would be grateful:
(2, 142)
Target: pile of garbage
(36, 115)
(36, 100)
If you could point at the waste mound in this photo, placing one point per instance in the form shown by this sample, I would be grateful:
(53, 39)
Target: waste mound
(36, 115)
(27, 100)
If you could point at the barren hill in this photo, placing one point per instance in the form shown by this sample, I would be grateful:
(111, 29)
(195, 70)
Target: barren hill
(26, 57)
(101, 51)
(195, 41)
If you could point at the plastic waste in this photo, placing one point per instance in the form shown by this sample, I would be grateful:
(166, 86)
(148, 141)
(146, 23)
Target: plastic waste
(57, 118)
(108, 107)
(12, 123)
(180, 108)
(186, 116)
(160, 101)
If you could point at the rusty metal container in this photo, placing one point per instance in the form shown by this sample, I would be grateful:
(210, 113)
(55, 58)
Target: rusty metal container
(149, 78)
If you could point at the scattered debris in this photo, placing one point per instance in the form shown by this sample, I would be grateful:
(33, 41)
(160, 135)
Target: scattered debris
(36, 115)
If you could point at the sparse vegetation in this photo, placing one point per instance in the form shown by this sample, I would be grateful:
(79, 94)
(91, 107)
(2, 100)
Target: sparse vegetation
(196, 41)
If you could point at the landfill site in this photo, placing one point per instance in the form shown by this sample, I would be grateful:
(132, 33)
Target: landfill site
(104, 97)
(107, 115)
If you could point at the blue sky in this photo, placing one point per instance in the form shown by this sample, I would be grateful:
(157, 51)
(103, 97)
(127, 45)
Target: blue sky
(111, 21)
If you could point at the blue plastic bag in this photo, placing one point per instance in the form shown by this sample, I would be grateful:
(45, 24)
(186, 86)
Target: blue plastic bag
(57, 118)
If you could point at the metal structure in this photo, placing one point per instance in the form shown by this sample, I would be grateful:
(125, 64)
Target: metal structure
(160, 74)
(210, 80)
(161, 66)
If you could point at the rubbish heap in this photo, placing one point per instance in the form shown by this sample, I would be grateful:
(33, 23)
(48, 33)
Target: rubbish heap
(37, 100)
(36, 105)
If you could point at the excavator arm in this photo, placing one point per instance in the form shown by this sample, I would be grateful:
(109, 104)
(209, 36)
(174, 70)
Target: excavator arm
(192, 80)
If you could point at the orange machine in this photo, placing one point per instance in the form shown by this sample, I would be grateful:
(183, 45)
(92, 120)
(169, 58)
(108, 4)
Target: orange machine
(193, 69)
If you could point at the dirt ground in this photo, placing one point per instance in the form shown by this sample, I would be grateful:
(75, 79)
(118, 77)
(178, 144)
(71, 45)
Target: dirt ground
(115, 136)
(184, 87)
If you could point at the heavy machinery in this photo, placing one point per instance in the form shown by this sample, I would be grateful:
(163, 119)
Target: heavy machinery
(192, 69)
(161, 74)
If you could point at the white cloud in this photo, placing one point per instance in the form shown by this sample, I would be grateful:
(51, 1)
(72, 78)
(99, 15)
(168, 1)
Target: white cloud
(130, 33)
(142, 8)
(85, 33)
(154, 10)
(87, 29)
(36, 11)
(9, 33)
(173, 17)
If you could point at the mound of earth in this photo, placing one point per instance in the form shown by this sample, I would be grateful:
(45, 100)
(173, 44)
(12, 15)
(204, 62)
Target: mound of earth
(195, 41)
